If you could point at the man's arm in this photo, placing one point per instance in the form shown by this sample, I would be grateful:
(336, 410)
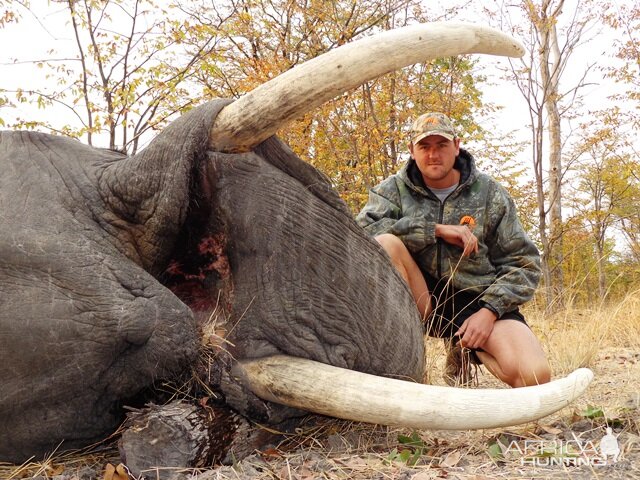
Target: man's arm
(381, 211)
(459, 235)
(516, 259)
(517, 264)
(476, 329)
(383, 214)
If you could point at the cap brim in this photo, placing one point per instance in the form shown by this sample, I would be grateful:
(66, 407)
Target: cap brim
(446, 135)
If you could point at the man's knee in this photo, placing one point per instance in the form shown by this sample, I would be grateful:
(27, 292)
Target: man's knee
(519, 355)
(528, 374)
(539, 373)
(392, 245)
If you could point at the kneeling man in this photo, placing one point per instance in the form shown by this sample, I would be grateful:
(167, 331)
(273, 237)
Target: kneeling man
(454, 235)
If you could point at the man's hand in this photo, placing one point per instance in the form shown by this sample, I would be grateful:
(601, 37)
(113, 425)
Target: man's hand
(459, 235)
(476, 329)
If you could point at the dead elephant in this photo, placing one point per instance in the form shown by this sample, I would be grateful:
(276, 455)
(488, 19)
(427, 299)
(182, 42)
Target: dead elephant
(111, 267)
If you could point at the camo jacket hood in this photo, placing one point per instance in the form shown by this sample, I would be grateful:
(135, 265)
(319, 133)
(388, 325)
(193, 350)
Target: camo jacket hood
(506, 269)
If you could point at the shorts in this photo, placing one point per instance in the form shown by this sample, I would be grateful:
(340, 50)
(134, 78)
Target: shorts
(451, 307)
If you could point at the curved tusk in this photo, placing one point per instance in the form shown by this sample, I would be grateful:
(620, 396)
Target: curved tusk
(342, 393)
(260, 113)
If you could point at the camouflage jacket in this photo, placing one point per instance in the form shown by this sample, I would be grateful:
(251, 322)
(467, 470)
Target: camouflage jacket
(506, 269)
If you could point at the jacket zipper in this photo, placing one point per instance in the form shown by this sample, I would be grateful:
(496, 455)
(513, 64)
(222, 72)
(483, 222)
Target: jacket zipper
(439, 241)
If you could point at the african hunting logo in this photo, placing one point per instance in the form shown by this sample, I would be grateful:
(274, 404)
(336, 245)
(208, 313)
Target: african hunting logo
(576, 452)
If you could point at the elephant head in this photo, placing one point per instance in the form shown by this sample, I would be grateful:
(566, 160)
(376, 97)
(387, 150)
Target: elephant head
(112, 267)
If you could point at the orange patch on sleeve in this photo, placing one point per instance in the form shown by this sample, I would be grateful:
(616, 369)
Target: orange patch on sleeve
(468, 220)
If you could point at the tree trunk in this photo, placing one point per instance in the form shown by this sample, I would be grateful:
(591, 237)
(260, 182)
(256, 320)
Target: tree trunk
(542, 213)
(160, 440)
(602, 282)
(550, 70)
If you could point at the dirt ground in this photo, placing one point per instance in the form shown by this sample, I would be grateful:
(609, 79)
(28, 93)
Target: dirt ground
(357, 451)
(565, 445)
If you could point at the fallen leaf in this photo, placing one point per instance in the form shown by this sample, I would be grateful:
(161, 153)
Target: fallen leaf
(495, 451)
(353, 462)
(452, 459)
(109, 470)
(54, 470)
(115, 473)
(551, 430)
(305, 474)
(122, 472)
(426, 475)
(271, 452)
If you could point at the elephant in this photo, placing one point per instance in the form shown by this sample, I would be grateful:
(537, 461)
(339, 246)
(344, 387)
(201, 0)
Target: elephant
(115, 269)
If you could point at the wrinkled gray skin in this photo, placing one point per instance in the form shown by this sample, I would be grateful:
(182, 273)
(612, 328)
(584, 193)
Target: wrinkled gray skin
(109, 264)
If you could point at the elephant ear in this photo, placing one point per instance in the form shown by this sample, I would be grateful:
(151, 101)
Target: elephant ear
(278, 154)
(147, 196)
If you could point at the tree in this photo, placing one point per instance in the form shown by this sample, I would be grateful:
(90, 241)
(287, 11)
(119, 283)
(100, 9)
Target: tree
(606, 181)
(8, 15)
(130, 73)
(625, 20)
(623, 117)
(538, 77)
(579, 265)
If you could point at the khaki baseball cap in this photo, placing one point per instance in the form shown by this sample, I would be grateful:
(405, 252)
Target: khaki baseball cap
(432, 123)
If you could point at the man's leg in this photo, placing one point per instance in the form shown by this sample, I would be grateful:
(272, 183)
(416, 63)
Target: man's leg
(409, 270)
(514, 355)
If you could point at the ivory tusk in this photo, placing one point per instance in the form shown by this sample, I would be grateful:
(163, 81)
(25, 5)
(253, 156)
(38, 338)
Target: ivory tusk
(260, 113)
(351, 395)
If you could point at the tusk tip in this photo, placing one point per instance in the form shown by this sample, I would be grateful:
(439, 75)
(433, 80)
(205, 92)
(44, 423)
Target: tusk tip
(518, 48)
(582, 376)
(511, 47)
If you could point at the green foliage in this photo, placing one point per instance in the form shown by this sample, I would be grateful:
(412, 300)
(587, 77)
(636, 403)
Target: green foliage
(4, 102)
(413, 448)
(139, 64)
(494, 450)
(592, 412)
(359, 138)
(624, 18)
(597, 415)
(132, 72)
(604, 198)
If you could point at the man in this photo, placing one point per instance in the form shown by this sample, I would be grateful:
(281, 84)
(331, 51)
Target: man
(454, 236)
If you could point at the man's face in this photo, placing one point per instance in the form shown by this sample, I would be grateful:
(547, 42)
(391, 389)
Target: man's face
(435, 156)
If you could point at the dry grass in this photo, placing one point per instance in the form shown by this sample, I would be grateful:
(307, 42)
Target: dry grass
(573, 337)
(604, 338)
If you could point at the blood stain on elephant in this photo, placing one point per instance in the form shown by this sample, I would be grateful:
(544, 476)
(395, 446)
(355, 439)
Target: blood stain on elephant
(215, 246)
(200, 275)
